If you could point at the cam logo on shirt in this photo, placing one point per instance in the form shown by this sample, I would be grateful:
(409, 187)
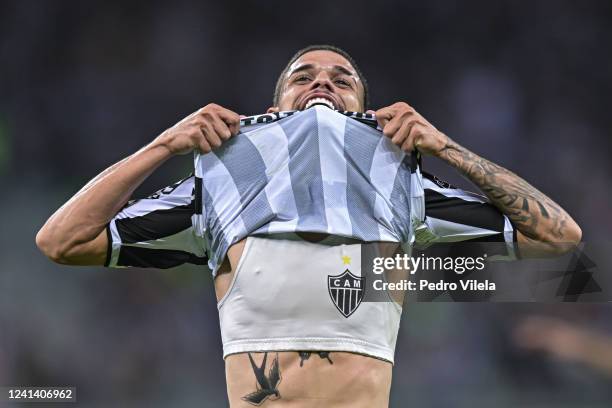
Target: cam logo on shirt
(346, 291)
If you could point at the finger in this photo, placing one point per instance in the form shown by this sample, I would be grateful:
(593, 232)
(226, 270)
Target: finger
(402, 133)
(232, 119)
(203, 145)
(210, 135)
(408, 145)
(393, 126)
(414, 137)
(221, 129)
(370, 112)
(383, 116)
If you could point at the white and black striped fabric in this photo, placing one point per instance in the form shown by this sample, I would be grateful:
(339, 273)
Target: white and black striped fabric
(453, 215)
(315, 171)
(311, 171)
(157, 231)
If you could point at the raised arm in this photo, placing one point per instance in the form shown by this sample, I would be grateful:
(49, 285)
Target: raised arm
(75, 234)
(543, 226)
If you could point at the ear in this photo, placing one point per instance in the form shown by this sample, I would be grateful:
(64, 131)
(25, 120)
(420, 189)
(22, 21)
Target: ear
(273, 109)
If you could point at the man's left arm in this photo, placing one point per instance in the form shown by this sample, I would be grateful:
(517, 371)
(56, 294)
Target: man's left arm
(543, 226)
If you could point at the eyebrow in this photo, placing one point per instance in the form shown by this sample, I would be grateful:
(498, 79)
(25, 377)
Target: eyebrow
(306, 67)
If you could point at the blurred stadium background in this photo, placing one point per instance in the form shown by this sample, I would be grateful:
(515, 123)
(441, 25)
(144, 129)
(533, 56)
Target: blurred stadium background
(83, 84)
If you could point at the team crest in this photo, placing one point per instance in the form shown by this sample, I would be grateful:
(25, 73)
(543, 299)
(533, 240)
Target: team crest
(346, 291)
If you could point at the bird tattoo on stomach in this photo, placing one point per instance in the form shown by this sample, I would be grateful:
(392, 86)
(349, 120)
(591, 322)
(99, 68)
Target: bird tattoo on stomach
(266, 386)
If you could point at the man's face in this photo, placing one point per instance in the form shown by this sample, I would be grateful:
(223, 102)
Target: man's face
(323, 76)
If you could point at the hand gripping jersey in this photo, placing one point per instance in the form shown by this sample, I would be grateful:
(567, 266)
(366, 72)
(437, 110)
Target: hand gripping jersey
(313, 171)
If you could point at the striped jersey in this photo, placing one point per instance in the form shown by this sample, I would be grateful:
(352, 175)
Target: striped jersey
(317, 171)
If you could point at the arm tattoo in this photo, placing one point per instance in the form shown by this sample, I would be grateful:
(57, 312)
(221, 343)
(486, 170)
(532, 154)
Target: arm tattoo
(533, 213)
(266, 385)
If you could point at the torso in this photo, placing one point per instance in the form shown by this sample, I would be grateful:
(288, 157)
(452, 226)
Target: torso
(312, 379)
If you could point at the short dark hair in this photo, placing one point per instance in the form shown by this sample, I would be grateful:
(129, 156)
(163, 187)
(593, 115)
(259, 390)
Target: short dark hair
(323, 47)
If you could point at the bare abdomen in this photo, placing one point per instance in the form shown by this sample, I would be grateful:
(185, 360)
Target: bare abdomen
(308, 380)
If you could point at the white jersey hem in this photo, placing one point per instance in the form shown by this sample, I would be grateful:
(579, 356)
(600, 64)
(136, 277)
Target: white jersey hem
(309, 344)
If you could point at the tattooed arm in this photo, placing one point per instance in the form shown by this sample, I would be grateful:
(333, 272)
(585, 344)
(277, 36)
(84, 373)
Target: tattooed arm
(543, 226)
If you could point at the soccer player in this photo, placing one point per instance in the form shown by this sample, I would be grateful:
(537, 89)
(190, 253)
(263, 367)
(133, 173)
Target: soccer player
(285, 342)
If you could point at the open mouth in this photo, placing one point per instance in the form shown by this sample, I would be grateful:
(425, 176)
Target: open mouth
(320, 101)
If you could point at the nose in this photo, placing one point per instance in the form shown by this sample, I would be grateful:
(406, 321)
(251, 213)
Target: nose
(322, 80)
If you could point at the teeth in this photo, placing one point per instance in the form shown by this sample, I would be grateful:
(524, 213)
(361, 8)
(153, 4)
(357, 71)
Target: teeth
(322, 101)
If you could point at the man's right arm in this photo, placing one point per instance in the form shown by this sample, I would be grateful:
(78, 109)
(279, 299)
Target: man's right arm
(75, 234)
